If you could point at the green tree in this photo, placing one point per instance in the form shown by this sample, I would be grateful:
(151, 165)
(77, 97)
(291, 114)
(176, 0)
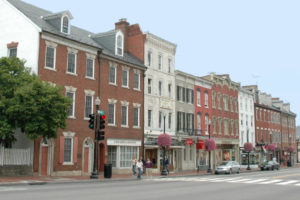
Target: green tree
(37, 108)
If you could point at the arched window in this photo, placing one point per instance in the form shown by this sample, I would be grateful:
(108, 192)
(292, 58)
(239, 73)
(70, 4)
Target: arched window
(65, 25)
(119, 45)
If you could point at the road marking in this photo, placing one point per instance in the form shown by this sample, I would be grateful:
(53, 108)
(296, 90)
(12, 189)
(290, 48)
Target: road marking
(8, 189)
(288, 182)
(286, 175)
(269, 182)
(297, 184)
(240, 180)
(255, 181)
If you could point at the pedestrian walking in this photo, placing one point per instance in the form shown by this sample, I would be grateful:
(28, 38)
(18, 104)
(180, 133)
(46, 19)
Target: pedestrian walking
(167, 164)
(149, 168)
(139, 166)
(144, 165)
(134, 165)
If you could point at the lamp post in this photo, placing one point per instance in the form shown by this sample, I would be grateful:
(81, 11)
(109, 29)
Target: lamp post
(248, 168)
(164, 171)
(94, 174)
(209, 166)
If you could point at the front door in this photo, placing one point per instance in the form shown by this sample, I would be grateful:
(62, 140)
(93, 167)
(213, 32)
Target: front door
(86, 160)
(44, 161)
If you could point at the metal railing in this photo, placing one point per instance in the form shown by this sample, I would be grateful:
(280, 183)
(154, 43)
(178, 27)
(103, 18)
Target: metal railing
(190, 132)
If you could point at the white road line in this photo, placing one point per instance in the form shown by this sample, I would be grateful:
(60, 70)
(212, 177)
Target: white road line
(272, 181)
(238, 181)
(7, 189)
(288, 182)
(297, 184)
(255, 181)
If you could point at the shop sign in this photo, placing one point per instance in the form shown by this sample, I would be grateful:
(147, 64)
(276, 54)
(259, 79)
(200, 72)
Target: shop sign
(200, 144)
(189, 141)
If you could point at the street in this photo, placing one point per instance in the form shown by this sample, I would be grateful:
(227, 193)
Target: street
(282, 184)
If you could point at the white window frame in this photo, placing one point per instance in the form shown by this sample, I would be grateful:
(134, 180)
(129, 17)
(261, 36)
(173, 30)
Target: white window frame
(51, 45)
(90, 57)
(198, 97)
(169, 65)
(9, 51)
(149, 60)
(62, 24)
(115, 67)
(138, 106)
(88, 93)
(70, 135)
(112, 102)
(149, 85)
(160, 62)
(119, 34)
(206, 99)
(71, 89)
(160, 89)
(125, 69)
(137, 72)
(125, 104)
(72, 51)
(170, 90)
(151, 121)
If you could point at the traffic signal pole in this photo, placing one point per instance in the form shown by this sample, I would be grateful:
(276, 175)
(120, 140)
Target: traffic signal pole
(94, 174)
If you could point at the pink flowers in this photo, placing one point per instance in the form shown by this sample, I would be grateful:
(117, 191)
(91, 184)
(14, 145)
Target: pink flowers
(248, 146)
(271, 147)
(290, 149)
(164, 140)
(210, 144)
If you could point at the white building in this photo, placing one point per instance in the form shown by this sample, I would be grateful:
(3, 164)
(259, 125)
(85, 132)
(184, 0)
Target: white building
(246, 120)
(159, 96)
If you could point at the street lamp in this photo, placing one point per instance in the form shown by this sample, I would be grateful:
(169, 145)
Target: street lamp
(209, 166)
(248, 168)
(94, 174)
(164, 171)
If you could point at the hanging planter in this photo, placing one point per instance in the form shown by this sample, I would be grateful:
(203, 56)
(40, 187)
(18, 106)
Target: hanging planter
(271, 147)
(164, 140)
(290, 149)
(248, 146)
(210, 144)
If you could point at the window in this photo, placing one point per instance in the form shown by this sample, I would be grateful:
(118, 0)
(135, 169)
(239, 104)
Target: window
(119, 46)
(12, 52)
(88, 106)
(231, 104)
(111, 114)
(149, 118)
(206, 124)
(206, 99)
(65, 25)
(242, 118)
(226, 126)
(112, 155)
(149, 58)
(136, 81)
(220, 126)
(178, 93)
(124, 115)
(159, 62)
(213, 99)
(219, 101)
(225, 101)
(183, 94)
(89, 68)
(199, 122)
(187, 95)
(159, 119)
(126, 153)
(178, 121)
(68, 150)
(149, 86)
(170, 120)
(214, 125)
(160, 88)
(71, 96)
(232, 127)
(237, 128)
(125, 74)
(170, 90)
(192, 96)
(112, 75)
(71, 63)
(50, 57)
(169, 65)
(136, 117)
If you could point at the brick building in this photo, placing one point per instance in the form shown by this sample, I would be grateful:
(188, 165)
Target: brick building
(225, 118)
(88, 66)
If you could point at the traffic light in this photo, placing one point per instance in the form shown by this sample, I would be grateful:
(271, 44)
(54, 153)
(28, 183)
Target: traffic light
(101, 133)
(91, 121)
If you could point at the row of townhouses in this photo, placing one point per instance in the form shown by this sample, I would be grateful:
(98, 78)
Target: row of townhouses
(142, 94)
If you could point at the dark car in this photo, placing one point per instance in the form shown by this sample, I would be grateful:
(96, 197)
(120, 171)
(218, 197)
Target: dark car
(269, 165)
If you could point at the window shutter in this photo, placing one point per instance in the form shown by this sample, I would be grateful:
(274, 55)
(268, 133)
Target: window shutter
(75, 145)
(61, 148)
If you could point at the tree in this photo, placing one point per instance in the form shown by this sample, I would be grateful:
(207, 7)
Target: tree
(37, 108)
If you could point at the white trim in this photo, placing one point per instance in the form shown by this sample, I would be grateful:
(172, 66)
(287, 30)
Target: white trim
(113, 102)
(89, 93)
(50, 45)
(139, 110)
(72, 51)
(62, 24)
(125, 104)
(119, 33)
(139, 80)
(125, 69)
(93, 68)
(112, 83)
(72, 150)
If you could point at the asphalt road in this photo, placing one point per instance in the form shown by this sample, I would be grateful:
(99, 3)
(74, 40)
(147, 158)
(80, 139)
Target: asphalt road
(281, 185)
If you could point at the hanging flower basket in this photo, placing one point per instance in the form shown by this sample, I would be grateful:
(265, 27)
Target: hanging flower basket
(164, 140)
(210, 144)
(290, 149)
(271, 147)
(248, 146)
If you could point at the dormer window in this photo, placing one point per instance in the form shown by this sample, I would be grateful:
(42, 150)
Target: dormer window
(119, 44)
(65, 25)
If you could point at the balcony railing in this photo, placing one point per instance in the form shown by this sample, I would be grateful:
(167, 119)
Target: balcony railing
(190, 132)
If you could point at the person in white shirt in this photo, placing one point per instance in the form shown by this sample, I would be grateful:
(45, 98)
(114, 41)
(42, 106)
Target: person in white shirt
(139, 166)
(133, 165)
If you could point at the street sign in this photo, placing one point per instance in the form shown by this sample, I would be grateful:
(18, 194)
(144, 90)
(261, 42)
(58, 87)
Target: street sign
(100, 112)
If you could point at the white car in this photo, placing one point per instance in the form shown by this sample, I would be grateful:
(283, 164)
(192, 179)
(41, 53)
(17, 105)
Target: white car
(228, 167)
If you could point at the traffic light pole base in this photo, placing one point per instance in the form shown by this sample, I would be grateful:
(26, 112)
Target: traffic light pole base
(94, 175)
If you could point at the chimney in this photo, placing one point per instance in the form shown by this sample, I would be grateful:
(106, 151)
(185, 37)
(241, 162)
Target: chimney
(123, 26)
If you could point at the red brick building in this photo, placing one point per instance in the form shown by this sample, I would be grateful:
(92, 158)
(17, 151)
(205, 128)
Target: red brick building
(89, 67)
(225, 115)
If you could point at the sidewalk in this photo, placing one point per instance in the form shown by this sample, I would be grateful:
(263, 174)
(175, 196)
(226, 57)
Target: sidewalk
(40, 180)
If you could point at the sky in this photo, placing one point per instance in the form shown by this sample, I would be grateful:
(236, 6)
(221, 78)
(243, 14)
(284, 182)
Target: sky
(256, 42)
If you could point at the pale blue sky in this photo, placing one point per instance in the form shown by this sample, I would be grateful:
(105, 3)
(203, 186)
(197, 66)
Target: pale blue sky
(256, 42)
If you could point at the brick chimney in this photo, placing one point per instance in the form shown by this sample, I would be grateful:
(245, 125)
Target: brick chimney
(123, 26)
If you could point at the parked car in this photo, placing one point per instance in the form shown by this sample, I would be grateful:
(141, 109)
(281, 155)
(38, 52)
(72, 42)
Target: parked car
(269, 165)
(228, 167)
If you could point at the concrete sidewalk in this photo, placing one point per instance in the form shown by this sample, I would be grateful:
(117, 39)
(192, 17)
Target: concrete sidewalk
(40, 180)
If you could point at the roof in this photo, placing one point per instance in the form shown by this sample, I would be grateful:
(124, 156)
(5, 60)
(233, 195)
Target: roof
(36, 15)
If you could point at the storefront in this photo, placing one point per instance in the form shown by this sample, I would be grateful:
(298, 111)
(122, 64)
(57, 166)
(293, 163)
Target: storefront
(226, 151)
(202, 155)
(120, 153)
